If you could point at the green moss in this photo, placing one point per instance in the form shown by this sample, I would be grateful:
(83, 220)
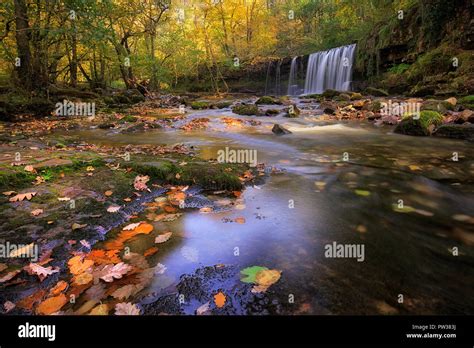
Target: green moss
(223, 104)
(128, 118)
(467, 101)
(399, 69)
(267, 100)
(246, 109)
(199, 105)
(208, 176)
(428, 118)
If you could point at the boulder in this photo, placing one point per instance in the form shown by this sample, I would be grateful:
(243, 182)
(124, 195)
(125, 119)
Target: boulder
(246, 109)
(280, 130)
(267, 100)
(456, 131)
(376, 92)
(292, 111)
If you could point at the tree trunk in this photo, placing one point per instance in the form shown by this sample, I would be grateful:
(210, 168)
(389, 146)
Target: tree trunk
(23, 67)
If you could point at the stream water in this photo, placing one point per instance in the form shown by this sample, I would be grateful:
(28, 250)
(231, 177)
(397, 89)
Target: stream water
(340, 183)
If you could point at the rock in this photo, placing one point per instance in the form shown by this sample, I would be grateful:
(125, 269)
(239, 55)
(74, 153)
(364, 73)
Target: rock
(372, 116)
(280, 130)
(436, 105)
(267, 100)
(330, 93)
(343, 97)
(328, 107)
(272, 112)
(292, 111)
(199, 105)
(359, 104)
(376, 92)
(389, 119)
(467, 102)
(139, 127)
(223, 104)
(409, 126)
(422, 91)
(456, 131)
(246, 109)
(106, 125)
(424, 125)
(453, 101)
(356, 96)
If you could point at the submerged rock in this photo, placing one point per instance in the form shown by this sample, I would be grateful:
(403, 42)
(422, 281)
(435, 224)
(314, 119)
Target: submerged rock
(280, 130)
(456, 131)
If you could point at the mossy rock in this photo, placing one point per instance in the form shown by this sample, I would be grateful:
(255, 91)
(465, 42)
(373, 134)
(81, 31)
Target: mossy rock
(121, 99)
(456, 131)
(223, 104)
(440, 106)
(267, 100)
(343, 97)
(272, 112)
(330, 93)
(246, 109)
(128, 119)
(200, 105)
(424, 125)
(376, 92)
(422, 91)
(355, 96)
(467, 102)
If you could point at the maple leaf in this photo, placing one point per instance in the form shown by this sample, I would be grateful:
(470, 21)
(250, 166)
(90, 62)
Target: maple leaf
(21, 196)
(40, 271)
(220, 299)
(126, 308)
(111, 272)
(101, 257)
(51, 305)
(163, 237)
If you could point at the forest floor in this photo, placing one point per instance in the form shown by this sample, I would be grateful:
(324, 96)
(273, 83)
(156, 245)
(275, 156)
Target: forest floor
(131, 212)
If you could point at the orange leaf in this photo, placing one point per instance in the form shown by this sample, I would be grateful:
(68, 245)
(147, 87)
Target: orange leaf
(150, 251)
(58, 288)
(28, 302)
(103, 257)
(237, 193)
(219, 299)
(52, 304)
(240, 220)
(77, 265)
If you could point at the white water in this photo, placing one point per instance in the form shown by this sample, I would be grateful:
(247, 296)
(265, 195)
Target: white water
(292, 80)
(330, 69)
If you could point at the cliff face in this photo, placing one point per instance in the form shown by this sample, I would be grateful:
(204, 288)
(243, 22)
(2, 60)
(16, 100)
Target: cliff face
(428, 52)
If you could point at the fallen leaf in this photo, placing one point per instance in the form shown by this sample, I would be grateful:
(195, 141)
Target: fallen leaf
(108, 193)
(126, 308)
(3, 267)
(205, 210)
(40, 271)
(58, 288)
(90, 168)
(102, 309)
(51, 305)
(362, 193)
(9, 275)
(8, 306)
(29, 301)
(8, 193)
(64, 199)
(220, 299)
(204, 309)
(240, 220)
(82, 279)
(163, 237)
(76, 226)
(150, 251)
(21, 196)
(267, 277)
(140, 182)
(103, 257)
(111, 272)
(113, 209)
(77, 265)
(250, 273)
(37, 212)
(29, 168)
(414, 167)
(126, 291)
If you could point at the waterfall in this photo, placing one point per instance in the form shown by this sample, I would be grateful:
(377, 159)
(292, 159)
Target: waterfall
(273, 79)
(293, 79)
(330, 69)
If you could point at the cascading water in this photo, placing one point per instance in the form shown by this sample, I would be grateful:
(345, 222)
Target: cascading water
(330, 69)
(293, 79)
(273, 80)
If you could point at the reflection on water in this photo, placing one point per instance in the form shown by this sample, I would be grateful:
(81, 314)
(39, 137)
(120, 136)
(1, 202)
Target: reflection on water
(400, 196)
